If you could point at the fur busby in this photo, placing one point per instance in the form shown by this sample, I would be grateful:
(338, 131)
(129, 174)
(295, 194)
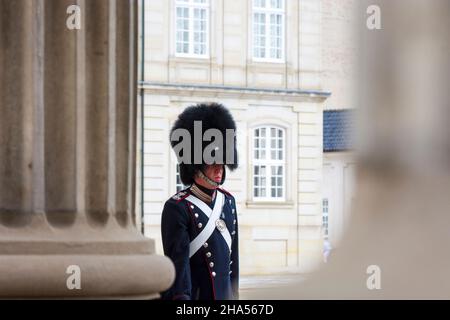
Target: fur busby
(212, 116)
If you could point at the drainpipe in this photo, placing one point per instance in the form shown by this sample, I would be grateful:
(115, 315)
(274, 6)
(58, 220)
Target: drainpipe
(142, 110)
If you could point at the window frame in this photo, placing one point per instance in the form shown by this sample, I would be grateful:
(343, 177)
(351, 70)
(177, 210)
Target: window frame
(191, 5)
(268, 11)
(268, 163)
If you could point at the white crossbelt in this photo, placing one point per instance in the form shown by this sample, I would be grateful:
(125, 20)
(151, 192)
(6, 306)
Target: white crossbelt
(213, 216)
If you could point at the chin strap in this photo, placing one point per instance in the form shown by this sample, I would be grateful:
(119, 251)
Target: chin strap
(202, 176)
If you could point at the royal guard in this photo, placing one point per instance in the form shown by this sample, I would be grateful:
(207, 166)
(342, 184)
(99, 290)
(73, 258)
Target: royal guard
(199, 224)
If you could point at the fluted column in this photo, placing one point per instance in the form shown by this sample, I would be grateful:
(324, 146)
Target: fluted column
(67, 157)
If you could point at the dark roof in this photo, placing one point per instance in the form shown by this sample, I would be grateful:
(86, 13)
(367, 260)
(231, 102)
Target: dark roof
(338, 130)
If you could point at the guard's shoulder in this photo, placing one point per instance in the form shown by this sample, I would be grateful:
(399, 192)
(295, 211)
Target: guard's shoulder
(179, 196)
(227, 194)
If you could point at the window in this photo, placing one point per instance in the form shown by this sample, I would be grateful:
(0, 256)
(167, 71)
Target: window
(192, 18)
(325, 217)
(268, 30)
(179, 185)
(269, 163)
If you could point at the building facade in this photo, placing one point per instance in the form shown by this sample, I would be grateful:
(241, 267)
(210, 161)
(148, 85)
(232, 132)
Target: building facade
(339, 170)
(263, 60)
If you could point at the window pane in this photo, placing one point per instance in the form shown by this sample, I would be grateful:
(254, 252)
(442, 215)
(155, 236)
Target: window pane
(259, 3)
(259, 34)
(272, 132)
(276, 4)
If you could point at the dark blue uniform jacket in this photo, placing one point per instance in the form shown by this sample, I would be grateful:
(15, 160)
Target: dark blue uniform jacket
(212, 273)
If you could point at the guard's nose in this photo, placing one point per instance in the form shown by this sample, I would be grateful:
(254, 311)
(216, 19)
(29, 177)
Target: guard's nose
(218, 169)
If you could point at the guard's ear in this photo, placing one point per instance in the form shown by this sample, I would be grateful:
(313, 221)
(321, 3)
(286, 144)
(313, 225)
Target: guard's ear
(223, 175)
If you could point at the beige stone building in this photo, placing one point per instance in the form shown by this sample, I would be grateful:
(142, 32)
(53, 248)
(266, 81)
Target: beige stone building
(263, 59)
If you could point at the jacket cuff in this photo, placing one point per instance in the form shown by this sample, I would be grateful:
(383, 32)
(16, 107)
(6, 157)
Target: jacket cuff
(181, 297)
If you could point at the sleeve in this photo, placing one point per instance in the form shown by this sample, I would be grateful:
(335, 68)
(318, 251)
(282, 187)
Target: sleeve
(235, 259)
(175, 238)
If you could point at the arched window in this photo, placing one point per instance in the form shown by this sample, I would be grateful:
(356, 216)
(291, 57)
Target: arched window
(269, 163)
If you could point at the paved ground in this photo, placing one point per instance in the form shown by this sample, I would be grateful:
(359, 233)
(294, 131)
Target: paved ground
(249, 284)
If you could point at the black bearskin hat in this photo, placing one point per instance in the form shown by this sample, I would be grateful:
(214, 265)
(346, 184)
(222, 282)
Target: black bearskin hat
(212, 116)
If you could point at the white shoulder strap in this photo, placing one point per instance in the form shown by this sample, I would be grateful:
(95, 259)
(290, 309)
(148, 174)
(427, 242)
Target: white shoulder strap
(213, 215)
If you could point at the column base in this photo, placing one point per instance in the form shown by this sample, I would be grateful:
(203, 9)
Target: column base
(101, 276)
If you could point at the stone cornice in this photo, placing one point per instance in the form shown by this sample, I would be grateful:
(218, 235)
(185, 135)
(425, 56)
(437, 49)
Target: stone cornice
(234, 92)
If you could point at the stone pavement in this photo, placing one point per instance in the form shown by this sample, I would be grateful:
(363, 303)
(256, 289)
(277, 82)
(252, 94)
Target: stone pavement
(249, 284)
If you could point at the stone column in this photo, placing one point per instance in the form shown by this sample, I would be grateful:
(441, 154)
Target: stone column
(67, 153)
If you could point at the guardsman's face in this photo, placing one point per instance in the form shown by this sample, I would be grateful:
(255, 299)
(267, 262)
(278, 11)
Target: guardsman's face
(214, 172)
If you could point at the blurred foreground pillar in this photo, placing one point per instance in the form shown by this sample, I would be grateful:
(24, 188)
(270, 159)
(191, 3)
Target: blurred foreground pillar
(398, 243)
(67, 157)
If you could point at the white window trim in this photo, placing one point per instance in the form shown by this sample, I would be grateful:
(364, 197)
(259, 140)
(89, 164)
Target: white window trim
(191, 5)
(281, 11)
(268, 163)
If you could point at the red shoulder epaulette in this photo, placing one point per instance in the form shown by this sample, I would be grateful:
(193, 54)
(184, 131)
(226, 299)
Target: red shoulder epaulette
(180, 196)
